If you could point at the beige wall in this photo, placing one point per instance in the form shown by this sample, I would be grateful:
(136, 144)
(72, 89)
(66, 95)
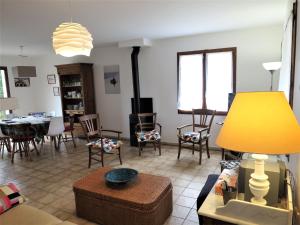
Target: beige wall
(158, 74)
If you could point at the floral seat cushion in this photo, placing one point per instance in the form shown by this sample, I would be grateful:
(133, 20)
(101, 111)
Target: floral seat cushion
(108, 144)
(191, 136)
(152, 135)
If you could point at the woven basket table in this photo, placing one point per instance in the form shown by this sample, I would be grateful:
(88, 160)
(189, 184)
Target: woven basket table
(146, 201)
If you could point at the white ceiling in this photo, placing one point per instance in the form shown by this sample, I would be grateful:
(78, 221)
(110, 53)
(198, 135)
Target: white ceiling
(31, 22)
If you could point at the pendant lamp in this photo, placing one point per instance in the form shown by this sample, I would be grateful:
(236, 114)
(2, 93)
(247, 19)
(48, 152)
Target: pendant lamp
(71, 39)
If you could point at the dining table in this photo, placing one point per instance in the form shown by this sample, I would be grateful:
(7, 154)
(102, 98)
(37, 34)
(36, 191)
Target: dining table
(38, 123)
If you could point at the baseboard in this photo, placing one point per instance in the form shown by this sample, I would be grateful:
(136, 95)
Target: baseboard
(213, 148)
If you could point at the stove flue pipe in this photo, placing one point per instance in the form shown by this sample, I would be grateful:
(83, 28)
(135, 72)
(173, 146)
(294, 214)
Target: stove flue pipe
(135, 79)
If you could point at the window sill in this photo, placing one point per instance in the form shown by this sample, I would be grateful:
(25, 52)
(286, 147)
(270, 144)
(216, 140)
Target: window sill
(218, 113)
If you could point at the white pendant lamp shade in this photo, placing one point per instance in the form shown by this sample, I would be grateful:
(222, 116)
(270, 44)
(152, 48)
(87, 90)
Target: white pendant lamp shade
(70, 39)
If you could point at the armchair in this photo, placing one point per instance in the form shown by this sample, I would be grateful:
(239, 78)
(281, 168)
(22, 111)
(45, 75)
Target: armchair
(199, 132)
(148, 131)
(98, 144)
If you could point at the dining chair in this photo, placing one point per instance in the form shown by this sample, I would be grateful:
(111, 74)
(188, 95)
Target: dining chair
(198, 132)
(4, 142)
(69, 129)
(98, 144)
(148, 131)
(22, 135)
(55, 131)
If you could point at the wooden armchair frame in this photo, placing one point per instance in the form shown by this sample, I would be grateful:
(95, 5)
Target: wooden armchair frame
(143, 126)
(92, 130)
(202, 127)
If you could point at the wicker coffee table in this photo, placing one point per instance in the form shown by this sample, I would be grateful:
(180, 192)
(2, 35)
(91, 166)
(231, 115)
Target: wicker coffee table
(147, 201)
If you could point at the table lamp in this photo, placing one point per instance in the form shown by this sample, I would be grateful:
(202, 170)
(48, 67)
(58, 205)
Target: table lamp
(8, 104)
(272, 67)
(260, 123)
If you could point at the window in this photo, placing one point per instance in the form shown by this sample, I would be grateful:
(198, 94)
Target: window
(4, 87)
(205, 78)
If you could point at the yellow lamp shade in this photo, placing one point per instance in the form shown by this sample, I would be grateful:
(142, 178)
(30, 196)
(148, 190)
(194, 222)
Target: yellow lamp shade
(260, 122)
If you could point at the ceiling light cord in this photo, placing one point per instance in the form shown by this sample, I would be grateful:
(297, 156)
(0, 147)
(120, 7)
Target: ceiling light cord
(70, 11)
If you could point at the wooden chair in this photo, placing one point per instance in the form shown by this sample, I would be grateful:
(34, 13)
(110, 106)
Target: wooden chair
(55, 132)
(200, 133)
(93, 130)
(4, 142)
(22, 135)
(147, 132)
(69, 130)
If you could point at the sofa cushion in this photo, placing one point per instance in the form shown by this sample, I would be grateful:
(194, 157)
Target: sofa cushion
(66, 223)
(9, 197)
(27, 215)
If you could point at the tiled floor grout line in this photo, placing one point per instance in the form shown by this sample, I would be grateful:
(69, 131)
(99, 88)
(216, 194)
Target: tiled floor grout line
(46, 179)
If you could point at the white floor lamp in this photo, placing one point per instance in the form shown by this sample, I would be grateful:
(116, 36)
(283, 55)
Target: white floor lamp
(272, 67)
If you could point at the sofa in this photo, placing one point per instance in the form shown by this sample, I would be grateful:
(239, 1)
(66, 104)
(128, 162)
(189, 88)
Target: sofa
(27, 215)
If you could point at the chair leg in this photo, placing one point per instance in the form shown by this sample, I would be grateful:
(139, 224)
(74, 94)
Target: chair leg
(140, 148)
(7, 144)
(55, 144)
(35, 148)
(223, 153)
(200, 153)
(72, 135)
(13, 152)
(59, 141)
(207, 149)
(193, 148)
(20, 149)
(159, 147)
(179, 148)
(90, 156)
(119, 149)
(27, 150)
(2, 148)
(102, 157)
(42, 144)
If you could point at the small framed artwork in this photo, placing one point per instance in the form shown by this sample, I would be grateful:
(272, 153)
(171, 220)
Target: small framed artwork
(51, 79)
(22, 82)
(56, 91)
(112, 79)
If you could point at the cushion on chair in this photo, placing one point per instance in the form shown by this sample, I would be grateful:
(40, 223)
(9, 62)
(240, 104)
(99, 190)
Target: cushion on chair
(9, 197)
(193, 136)
(109, 144)
(152, 135)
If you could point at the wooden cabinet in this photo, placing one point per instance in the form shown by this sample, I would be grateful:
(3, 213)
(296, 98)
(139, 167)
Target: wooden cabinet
(77, 91)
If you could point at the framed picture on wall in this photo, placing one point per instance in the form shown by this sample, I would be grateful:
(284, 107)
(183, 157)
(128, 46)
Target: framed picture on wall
(22, 82)
(51, 79)
(56, 91)
(112, 79)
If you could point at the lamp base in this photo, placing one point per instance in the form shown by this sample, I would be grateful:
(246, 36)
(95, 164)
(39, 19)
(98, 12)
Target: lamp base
(259, 184)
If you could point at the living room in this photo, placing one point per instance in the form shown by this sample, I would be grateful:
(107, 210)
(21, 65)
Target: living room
(255, 29)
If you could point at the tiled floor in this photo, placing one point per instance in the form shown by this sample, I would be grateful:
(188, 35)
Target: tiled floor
(47, 180)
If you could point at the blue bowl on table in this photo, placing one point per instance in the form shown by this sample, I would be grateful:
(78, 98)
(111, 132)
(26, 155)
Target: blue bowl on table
(120, 176)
